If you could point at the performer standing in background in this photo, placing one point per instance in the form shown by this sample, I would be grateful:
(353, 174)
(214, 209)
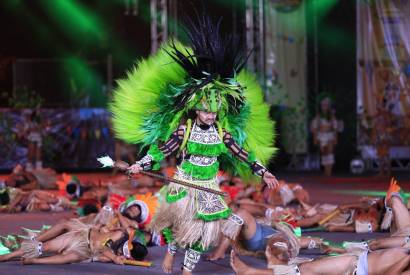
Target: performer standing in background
(324, 128)
(32, 131)
(199, 103)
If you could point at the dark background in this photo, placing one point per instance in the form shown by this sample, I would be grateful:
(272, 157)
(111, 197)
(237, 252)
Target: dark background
(43, 30)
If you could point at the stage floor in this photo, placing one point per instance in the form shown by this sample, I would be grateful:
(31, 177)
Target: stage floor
(321, 189)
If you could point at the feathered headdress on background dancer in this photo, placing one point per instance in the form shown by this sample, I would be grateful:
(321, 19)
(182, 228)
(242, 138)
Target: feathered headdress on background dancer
(160, 91)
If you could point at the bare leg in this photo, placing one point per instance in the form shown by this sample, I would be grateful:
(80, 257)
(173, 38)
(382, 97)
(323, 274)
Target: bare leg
(382, 261)
(400, 266)
(400, 212)
(219, 252)
(167, 263)
(256, 210)
(15, 254)
(327, 265)
(53, 232)
(390, 242)
(56, 259)
(248, 229)
(241, 268)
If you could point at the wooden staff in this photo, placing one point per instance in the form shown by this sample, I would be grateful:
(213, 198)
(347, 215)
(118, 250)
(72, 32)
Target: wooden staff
(122, 165)
(138, 263)
(330, 216)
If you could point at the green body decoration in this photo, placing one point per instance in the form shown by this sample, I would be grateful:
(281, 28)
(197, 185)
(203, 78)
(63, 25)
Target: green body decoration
(200, 172)
(170, 198)
(198, 248)
(215, 216)
(209, 150)
(168, 235)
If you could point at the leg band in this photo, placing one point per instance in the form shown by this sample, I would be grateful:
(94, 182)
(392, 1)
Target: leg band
(191, 259)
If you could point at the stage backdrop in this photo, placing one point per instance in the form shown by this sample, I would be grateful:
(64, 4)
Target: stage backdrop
(72, 138)
(286, 70)
(383, 71)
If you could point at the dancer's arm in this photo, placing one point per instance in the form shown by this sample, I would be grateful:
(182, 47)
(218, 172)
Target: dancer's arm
(108, 254)
(125, 222)
(157, 153)
(243, 155)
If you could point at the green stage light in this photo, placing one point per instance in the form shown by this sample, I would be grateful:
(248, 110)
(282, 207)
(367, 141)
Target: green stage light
(366, 193)
(75, 19)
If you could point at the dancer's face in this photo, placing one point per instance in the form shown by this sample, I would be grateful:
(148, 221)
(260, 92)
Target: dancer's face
(133, 212)
(325, 105)
(118, 237)
(206, 118)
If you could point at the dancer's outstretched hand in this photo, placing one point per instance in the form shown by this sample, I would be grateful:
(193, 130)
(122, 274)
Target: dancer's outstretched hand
(270, 180)
(135, 168)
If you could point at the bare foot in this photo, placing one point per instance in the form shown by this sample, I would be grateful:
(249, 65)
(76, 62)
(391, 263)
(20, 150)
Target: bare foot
(167, 263)
(186, 272)
(216, 255)
(238, 266)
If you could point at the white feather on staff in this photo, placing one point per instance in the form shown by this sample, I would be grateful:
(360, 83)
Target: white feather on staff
(106, 161)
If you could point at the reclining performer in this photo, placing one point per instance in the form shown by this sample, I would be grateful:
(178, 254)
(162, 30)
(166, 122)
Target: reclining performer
(254, 234)
(360, 217)
(261, 200)
(16, 200)
(74, 241)
(281, 260)
(396, 212)
(197, 102)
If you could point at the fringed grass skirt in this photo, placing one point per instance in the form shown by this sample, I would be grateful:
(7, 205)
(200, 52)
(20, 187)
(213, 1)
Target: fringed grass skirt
(195, 217)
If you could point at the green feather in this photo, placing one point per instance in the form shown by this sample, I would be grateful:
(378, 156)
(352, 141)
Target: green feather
(140, 104)
(144, 112)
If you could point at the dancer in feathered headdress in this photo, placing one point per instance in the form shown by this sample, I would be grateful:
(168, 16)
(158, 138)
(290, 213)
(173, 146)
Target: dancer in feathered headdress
(199, 103)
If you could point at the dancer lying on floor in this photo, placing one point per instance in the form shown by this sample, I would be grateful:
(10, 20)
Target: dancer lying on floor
(396, 212)
(74, 241)
(284, 195)
(281, 260)
(253, 236)
(17, 200)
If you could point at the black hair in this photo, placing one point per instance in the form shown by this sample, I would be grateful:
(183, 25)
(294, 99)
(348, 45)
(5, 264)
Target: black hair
(137, 219)
(4, 197)
(89, 208)
(71, 188)
(214, 56)
(115, 246)
(138, 251)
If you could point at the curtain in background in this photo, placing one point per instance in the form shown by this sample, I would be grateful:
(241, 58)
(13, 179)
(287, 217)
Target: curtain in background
(383, 70)
(286, 71)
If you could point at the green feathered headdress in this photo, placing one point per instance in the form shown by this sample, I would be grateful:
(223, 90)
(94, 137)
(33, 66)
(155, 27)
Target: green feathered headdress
(160, 91)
